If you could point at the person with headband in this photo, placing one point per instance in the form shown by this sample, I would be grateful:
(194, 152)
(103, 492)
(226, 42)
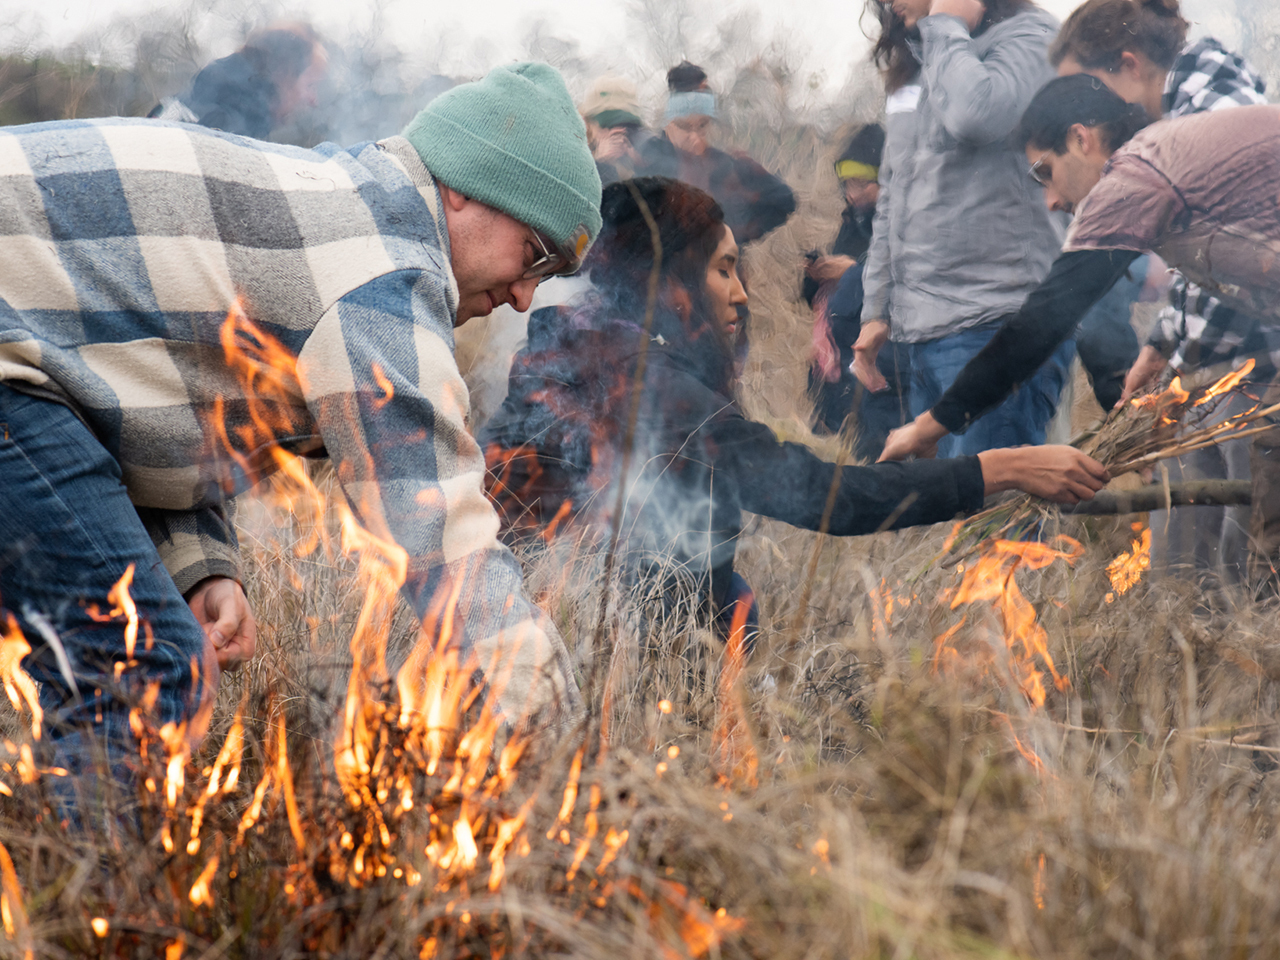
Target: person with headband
(1199, 191)
(753, 199)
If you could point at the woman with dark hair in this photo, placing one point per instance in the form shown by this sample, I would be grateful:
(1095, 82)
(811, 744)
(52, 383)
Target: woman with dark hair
(257, 88)
(555, 449)
(960, 239)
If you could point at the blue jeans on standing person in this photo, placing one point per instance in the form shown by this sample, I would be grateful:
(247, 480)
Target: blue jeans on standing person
(1020, 419)
(68, 532)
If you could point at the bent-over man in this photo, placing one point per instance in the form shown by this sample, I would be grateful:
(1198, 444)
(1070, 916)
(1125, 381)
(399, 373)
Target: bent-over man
(123, 245)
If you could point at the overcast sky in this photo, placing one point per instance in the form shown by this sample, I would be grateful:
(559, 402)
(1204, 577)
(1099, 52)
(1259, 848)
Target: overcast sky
(827, 30)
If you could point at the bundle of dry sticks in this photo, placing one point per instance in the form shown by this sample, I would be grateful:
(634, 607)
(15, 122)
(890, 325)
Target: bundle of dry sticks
(1157, 426)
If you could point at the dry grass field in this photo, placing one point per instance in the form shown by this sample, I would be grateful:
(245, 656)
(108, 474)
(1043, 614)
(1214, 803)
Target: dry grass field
(878, 780)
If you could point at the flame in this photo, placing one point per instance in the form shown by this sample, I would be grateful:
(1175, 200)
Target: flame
(13, 913)
(738, 759)
(123, 606)
(19, 686)
(992, 579)
(1229, 382)
(1126, 570)
(200, 895)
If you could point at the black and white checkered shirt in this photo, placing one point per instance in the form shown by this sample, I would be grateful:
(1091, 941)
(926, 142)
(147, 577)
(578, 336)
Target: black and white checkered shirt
(1195, 330)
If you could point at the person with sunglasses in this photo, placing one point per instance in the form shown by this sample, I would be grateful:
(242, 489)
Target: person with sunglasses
(128, 246)
(1199, 191)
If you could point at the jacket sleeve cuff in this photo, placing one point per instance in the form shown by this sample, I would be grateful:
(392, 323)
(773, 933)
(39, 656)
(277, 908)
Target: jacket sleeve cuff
(971, 486)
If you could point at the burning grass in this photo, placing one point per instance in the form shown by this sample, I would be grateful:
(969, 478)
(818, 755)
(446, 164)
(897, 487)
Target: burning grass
(916, 762)
(896, 802)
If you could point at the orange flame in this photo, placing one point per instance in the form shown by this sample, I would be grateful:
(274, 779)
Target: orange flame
(992, 579)
(17, 683)
(1229, 382)
(1126, 570)
(738, 759)
(13, 913)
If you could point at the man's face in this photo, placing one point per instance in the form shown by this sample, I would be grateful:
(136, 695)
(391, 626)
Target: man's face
(690, 134)
(1068, 177)
(489, 253)
(860, 194)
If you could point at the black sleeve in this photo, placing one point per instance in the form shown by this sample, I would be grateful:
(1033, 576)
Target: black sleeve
(1075, 283)
(788, 482)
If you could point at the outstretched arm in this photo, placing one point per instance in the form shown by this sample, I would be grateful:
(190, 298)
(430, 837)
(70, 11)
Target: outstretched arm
(1075, 283)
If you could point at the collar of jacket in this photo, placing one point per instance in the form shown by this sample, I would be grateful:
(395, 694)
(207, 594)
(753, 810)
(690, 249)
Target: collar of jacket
(406, 156)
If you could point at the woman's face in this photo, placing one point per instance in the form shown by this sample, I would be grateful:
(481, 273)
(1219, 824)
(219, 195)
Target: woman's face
(911, 11)
(724, 288)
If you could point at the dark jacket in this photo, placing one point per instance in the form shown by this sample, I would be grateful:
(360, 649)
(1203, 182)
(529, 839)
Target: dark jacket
(753, 199)
(698, 462)
(230, 95)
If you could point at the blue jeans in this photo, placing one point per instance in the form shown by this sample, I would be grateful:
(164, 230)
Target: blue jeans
(67, 533)
(1105, 339)
(1023, 416)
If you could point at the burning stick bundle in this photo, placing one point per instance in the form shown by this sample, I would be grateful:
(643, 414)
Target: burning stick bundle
(1150, 428)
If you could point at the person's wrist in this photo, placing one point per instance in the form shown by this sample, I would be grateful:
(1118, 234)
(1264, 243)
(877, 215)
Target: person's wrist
(999, 469)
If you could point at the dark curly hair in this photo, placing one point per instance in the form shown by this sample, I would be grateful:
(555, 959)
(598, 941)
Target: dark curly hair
(690, 228)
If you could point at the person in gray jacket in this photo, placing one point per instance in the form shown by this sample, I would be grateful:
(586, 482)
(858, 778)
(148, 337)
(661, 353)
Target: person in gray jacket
(960, 236)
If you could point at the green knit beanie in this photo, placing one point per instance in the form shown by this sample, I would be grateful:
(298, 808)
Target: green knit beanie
(515, 141)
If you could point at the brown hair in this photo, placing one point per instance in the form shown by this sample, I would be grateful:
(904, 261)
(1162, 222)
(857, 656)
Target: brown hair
(893, 56)
(1099, 31)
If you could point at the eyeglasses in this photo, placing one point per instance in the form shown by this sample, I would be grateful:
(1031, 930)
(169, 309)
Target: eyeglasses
(550, 263)
(1041, 172)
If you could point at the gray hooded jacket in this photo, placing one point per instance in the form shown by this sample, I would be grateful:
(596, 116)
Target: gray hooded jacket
(962, 234)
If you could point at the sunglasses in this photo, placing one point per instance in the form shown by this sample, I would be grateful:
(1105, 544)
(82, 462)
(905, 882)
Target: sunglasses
(1041, 172)
(549, 262)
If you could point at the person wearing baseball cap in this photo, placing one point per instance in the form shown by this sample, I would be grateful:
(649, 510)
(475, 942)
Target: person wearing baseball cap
(133, 251)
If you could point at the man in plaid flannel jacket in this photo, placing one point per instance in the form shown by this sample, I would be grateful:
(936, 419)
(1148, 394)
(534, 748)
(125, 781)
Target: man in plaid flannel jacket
(124, 244)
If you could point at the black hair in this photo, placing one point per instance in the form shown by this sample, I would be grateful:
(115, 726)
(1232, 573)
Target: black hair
(690, 228)
(1066, 101)
(686, 77)
(1099, 31)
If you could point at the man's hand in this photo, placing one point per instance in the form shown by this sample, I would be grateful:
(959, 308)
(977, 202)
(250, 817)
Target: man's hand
(222, 609)
(1058, 473)
(919, 438)
(829, 268)
(613, 145)
(874, 335)
(1145, 369)
(970, 11)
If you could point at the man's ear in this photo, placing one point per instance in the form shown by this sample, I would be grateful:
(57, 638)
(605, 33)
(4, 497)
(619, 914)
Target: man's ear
(452, 198)
(1084, 138)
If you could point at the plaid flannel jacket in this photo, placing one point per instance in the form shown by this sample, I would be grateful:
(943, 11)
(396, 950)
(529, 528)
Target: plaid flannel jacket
(1195, 330)
(123, 244)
